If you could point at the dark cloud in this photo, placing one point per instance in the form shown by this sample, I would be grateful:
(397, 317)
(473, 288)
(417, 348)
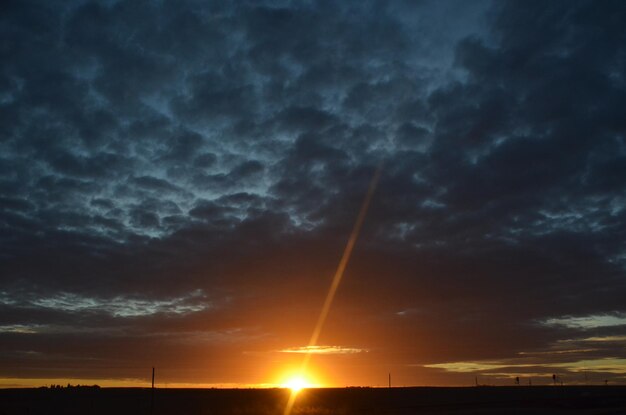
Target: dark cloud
(188, 172)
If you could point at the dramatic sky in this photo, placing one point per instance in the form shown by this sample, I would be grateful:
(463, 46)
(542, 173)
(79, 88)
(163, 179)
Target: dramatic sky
(178, 180)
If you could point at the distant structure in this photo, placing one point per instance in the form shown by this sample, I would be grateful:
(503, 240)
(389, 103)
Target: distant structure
(389, 379)
(152, 394)
(70, 386)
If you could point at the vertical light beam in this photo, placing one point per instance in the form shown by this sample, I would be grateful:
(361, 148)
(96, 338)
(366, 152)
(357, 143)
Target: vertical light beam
(343, 263)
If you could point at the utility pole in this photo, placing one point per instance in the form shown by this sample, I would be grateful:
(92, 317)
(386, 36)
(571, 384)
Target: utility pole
(152, 394)
(389, 379)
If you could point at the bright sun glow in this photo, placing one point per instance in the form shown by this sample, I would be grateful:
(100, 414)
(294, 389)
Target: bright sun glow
(296, 383)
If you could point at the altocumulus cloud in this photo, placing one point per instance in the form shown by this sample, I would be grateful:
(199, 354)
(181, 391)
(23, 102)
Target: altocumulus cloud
(163, 163)
(117, 306)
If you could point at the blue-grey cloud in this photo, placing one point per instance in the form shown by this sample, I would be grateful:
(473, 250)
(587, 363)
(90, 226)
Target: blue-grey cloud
(150, 150)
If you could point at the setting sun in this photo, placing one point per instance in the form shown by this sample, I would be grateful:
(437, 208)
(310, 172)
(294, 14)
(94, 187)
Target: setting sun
(297, 383)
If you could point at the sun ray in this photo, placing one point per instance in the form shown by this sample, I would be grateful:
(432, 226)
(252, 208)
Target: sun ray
(343, 263)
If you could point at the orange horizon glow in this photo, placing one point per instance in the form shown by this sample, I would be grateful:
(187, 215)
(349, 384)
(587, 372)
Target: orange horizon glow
(288, 383)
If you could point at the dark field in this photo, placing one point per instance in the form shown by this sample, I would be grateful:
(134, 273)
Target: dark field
(396, 401)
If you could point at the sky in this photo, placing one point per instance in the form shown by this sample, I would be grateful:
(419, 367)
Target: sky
(178, 181)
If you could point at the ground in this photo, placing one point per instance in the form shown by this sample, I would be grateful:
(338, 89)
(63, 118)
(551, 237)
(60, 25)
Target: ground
(396, 401)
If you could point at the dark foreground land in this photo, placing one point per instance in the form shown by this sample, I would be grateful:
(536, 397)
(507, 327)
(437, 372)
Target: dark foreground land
(362, 401)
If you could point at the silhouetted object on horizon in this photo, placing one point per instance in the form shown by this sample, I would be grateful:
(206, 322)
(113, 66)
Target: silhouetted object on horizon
(481, 384)
(152, 394)
(530, 383)
(70, 386)
(557, 380)
(389, 379)
(517, 380)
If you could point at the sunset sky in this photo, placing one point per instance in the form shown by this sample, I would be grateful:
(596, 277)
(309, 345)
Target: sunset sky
(178, 181)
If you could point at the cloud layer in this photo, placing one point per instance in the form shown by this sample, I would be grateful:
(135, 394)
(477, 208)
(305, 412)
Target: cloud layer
(188, 172)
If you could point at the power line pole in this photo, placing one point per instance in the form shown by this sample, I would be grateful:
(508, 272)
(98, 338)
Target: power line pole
(389, 379)
(152, 394)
